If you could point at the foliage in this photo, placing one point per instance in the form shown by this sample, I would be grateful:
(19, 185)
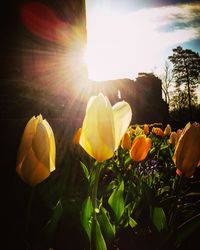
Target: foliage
(186, 71)
(145, 197)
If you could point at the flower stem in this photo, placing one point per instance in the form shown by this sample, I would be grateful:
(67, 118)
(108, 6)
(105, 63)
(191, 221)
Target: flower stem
(95, 187)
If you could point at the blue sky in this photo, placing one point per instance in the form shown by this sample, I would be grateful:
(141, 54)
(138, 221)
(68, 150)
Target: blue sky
(126, 37)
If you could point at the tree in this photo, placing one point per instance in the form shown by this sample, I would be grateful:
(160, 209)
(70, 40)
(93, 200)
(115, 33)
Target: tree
(167, 77)
(186, 71)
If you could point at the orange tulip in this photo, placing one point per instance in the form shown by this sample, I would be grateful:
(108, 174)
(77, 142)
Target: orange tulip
(187, 152)
(37, 151)
(146, 129)
(140, 148)
(126, 141)
(158, 131)
(77, 136)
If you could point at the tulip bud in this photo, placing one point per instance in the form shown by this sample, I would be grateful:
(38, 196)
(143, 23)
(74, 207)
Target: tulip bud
(167, 130)
(158, 131)
(146, 129)
(172, 138)
(140, 148)
(178, 134)
(138, 131)
(187, 152)
(37, 151)
(104, 126)
(126, 141)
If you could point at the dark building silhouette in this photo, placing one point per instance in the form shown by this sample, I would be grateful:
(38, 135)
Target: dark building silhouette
(144, 95)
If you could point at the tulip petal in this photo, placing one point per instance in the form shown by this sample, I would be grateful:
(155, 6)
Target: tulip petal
(122, 118)
(52, 152)
(41, 145)
(97, 137)
(26, 141)
(33, 171)
(187, 153)
(140, 148)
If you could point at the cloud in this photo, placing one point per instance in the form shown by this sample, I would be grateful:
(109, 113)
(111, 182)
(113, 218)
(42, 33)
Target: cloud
(123, 44)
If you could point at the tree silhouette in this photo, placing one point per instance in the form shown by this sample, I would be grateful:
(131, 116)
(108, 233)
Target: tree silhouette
(167, 78)
(186, 71)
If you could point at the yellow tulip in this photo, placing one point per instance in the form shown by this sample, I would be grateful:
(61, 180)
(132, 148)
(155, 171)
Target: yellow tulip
(167, 130)
(126, 141)
(37, 151)
(172, 138)
(77, 136)
(104, 126)
(187, 152)
(178, 134)
(140, 148)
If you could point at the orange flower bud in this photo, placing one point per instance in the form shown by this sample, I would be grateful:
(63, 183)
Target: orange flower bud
(77, 136)
(146, 129)
(126, 141)
(187, 152)
(140, 148)
(158, 131)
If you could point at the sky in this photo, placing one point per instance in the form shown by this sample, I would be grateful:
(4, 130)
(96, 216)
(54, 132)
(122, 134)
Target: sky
(125, 37)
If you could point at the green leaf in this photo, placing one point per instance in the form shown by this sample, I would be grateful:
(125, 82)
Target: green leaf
(98, 237)
(132, 222)
(128, 161)
(186, 229)
(85, 171)
(116, 201)
(107, 228)
(86, 216)
(159, 218)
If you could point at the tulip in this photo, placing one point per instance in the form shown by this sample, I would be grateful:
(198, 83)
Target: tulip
(104, 126)
(167, 130)
(37, 151)
(178, 134)
(187, 152)
(126, 141)
(140, 148)
(158, 131)
(173, 138)
(146, 129)
(138, 131)
(77, 136)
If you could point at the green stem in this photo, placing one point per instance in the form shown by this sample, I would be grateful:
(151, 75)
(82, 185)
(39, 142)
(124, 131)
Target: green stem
(97, 169)
(95, 187)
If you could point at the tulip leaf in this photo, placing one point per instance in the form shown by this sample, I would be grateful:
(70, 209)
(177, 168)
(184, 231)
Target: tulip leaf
(99, 241)
(159, 218)
(128, 161)
(85, 171)
(107, 228)
(132, 222)
(116, 201)
(186, 229)
(86, 216)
